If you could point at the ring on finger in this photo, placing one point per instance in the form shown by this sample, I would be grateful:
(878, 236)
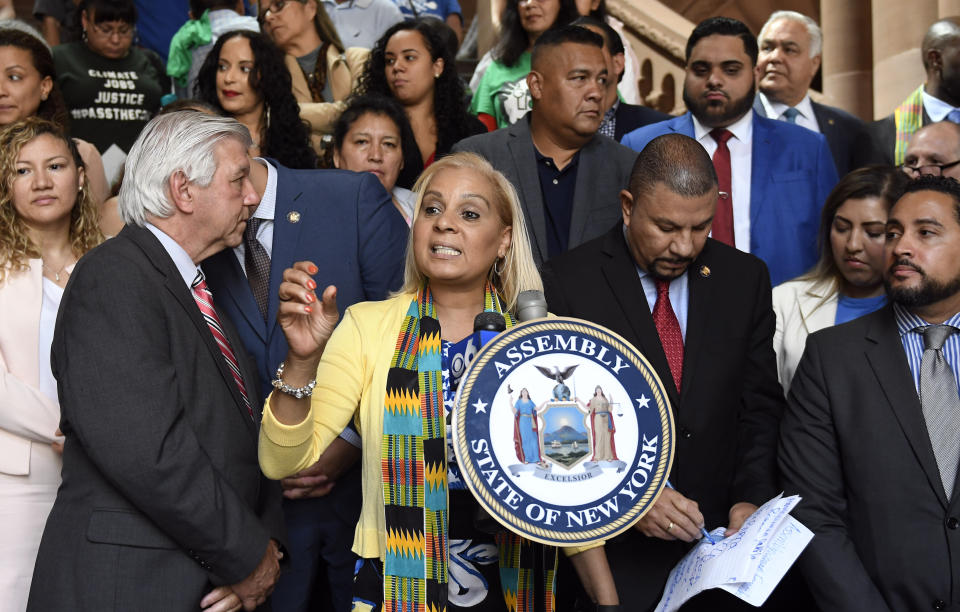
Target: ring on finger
(670, 526)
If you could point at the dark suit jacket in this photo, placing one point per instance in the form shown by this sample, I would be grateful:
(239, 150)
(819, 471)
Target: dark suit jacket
(883, 132)
(848, 137)
(604, 169)
(347, 225)
(632, 116)
(727, 414)
(162, 496)
(854, 444)
(791, 175)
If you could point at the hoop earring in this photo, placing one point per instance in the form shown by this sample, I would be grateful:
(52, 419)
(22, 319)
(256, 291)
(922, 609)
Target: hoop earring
(502, 261)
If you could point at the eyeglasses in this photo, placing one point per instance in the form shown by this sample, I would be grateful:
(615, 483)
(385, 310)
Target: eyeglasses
(124, 31)
(273, 9)
(928, 169)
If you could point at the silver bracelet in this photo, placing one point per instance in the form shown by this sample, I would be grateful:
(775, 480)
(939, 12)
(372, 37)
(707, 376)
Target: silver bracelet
(297, 392)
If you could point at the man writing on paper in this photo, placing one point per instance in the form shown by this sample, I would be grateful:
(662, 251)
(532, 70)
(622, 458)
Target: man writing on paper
(701, 312)
(870, 438)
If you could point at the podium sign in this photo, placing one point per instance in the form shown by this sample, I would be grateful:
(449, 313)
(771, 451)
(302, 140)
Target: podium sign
(563, 431)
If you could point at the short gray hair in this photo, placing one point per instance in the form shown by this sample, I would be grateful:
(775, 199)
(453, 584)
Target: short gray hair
(183, 141)
(816, 34)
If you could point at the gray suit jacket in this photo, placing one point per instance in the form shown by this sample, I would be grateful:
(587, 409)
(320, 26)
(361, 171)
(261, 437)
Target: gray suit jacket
(854, 445)
(604, 169)
(162, 496)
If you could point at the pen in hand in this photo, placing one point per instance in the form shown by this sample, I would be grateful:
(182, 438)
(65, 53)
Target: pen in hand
(706, 534)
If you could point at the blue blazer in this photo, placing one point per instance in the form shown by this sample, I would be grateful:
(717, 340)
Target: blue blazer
(792, 173)
(347, 225)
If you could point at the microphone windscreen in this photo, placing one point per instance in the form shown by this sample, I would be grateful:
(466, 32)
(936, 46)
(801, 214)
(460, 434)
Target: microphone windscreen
(489, 321)
(531, 305)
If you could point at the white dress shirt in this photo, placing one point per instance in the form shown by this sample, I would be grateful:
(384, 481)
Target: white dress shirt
(181, 259)
(265, 210)
(741, 150)
(52, 294)
(806, 118)
(936, 108)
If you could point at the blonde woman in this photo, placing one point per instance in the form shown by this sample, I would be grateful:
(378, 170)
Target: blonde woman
(468, 253)
(48, 220)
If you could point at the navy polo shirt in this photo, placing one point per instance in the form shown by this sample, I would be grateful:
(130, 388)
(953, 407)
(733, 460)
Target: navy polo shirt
(557, 187)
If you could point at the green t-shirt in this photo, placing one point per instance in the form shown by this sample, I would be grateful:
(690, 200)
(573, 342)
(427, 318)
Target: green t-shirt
(109, 100)
(503, 92)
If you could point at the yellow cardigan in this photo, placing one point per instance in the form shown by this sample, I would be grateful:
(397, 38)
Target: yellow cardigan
(351, 383)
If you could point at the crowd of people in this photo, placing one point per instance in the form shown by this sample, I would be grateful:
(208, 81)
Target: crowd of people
(239, 275)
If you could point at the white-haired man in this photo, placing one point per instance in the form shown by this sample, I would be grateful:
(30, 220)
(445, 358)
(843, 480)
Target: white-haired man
(163, 505)
(790, 51)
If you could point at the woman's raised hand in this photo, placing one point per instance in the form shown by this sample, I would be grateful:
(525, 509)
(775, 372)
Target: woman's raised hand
(306, 321)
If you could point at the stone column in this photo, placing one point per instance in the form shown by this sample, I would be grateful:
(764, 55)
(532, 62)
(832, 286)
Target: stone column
(898, 28)
(847, 56)
(948, 8)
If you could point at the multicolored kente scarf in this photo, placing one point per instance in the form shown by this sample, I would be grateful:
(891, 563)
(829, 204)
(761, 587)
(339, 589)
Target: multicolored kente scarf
(908, 118)
(414, 473)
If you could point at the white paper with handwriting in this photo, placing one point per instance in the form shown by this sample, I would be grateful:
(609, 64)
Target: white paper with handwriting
(748, 564)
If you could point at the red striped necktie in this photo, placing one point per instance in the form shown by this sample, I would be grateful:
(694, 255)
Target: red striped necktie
(204, 299)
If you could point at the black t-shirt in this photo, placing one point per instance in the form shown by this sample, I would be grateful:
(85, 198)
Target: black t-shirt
(110, 100)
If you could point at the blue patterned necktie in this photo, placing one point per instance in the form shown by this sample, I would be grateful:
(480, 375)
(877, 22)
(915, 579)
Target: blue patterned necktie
(954, 115)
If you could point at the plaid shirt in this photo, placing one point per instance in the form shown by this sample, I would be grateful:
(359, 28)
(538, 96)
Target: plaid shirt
(608, 127)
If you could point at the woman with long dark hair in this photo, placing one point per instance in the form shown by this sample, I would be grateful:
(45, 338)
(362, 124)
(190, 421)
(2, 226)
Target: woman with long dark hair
(847, 281)
(244, 77)
(413, 63)
(501, 96)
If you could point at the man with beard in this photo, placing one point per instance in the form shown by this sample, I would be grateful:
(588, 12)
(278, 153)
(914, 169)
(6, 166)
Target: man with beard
(937, 99)
(708, 332)
(870, 438)
(773, 176)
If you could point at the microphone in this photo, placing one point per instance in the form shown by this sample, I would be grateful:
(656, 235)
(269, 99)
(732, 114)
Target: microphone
(487, 325)
(531, 305)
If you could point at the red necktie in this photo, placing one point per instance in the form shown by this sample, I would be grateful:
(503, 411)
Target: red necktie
(669, 330)
(204, 299)
(723, 219)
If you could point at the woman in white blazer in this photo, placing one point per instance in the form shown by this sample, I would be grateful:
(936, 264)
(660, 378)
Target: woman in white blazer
(847, 281)
(48, 219)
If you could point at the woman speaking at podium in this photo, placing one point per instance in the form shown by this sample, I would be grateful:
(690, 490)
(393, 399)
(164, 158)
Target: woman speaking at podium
(387, 365)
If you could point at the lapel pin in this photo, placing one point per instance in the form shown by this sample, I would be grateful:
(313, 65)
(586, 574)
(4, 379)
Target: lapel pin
(705, 271)
(830, 121)
(293, 216)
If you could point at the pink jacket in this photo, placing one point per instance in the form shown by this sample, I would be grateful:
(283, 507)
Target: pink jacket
(27, 416)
